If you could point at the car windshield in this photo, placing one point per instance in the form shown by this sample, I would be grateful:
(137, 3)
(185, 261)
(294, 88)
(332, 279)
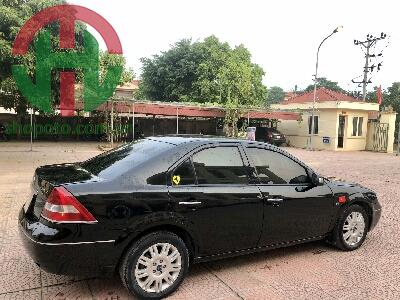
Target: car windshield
(121, 159)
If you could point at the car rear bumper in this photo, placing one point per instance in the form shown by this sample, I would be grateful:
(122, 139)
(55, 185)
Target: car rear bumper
(73, 258)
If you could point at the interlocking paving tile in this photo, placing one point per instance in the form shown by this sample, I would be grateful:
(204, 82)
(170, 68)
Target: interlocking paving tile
(72, 291)
(108, 289)
(309, 271)
(34, 294)
(377, 289)
(49, 279)
(201, 284)
(18, 282)
(18, 274)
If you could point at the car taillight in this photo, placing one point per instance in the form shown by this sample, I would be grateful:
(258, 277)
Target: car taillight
(62, 207)
(270, 134)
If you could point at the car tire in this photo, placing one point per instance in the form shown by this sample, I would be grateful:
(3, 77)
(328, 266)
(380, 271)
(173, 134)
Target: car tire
(164, 262)
(351, 228)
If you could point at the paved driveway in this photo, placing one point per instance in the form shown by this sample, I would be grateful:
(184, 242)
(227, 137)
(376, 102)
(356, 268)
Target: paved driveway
(310, 271)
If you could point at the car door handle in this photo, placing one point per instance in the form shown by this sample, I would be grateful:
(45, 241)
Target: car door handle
(274, 200)
(190, 203)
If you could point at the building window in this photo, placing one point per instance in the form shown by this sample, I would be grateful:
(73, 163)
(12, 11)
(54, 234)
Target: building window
(357, 126)
(316, 119)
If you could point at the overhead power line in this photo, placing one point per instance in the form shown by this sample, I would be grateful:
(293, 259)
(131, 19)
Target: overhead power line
(366, 46)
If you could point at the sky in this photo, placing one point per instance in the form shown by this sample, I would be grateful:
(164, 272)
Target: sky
(282, 35)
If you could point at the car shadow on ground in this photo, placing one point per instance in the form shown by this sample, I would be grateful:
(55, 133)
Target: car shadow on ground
(278, 254)
(201, 274)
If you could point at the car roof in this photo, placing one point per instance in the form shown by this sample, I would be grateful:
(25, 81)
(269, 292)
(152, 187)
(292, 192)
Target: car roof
(178, 139)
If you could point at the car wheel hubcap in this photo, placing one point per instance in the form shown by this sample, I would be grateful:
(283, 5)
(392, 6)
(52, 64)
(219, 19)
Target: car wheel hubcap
(353, 228)
(158, 267)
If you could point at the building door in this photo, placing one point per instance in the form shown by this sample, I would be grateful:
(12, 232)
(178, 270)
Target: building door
(380, 137)
(342, 124)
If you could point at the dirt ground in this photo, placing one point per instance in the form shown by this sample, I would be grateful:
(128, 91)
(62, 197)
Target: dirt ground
(309, 271)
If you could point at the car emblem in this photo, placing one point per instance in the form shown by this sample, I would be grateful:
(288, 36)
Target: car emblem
(176, 179)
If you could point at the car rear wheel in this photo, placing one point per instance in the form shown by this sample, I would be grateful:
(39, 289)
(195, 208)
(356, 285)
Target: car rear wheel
(351, 228)
(155, 265)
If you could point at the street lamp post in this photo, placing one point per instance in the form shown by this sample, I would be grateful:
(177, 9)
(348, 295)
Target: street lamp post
(315, 85)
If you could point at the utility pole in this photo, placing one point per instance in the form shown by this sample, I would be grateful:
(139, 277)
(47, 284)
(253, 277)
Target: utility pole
(367, 44)
(365, 79)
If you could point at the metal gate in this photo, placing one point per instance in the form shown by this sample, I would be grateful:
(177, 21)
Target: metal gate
(380, 137)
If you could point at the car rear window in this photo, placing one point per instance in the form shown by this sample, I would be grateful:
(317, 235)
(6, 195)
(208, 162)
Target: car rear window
(122, 159)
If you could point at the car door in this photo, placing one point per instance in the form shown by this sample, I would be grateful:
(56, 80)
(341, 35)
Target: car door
(293, 209)
(211, 191)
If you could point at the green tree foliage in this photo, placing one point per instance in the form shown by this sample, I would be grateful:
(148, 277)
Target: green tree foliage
(275, 95)
(203, 71)
(326, 83)
(391, 97)
(107, 60)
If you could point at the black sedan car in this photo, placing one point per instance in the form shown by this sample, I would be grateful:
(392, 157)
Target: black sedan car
(150, 208)
(270, 135)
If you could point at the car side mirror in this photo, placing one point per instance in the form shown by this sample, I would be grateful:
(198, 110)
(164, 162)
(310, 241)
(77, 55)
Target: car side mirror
(317, 180)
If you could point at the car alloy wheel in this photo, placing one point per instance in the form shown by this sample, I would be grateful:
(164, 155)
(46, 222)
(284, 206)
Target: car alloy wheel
(353, 228)
(155, 265)
(158, 267)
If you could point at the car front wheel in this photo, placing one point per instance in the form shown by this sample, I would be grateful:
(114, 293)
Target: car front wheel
(155, 265)
(351, 228)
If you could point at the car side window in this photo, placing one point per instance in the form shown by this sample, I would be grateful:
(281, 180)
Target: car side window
(183, 174)
(220, 165)
(275, 168)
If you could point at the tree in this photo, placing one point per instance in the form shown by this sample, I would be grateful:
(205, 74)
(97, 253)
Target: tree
(391, 97)
(275, 95)
(108, 60)
(170, 75)
(326, 83)
(204, 71)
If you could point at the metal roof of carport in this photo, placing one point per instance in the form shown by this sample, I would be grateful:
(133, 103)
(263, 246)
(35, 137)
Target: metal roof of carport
(188, 110)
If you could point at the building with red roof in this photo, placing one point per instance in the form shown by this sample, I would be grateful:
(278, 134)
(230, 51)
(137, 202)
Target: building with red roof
(340, 122)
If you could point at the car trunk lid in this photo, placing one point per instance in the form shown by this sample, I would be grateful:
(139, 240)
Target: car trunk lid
(50, 176)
